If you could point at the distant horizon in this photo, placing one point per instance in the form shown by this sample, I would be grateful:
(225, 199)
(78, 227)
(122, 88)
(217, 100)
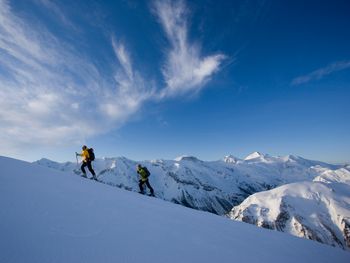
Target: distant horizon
(180, 156)
(161, 78)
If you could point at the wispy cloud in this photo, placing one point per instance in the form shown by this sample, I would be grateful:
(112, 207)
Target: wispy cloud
(57, 11)
(123, 57)
(131, 91)
(51, 94)
(322, 72)
(185, 70)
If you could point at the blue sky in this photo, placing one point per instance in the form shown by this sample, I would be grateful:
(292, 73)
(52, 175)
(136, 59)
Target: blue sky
(159, 79)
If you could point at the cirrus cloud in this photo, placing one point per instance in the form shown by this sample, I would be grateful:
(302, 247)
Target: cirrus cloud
(52, 94)
(185, 70)
(321, 73)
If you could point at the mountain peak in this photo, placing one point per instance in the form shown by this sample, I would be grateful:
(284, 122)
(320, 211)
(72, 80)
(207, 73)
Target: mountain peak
(254, 155)
(44, 160)
(186, 158)
(231, 159)
(291, 157)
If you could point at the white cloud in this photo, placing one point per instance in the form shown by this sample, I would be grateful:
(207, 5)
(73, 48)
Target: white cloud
(123, 57)
(185, 69)
(132, 91)
(322, 72)
(50, 94)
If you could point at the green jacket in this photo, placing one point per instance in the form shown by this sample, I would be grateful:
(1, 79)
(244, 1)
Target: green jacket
(143, 174)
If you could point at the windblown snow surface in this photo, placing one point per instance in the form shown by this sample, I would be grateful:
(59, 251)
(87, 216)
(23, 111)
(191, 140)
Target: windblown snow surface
(52, 216)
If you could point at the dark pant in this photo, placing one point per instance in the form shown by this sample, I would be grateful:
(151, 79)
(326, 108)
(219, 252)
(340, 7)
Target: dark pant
(88, 164)
(141, 183)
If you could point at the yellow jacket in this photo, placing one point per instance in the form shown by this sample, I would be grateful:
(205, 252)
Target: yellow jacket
(143, 174)
(85, 155)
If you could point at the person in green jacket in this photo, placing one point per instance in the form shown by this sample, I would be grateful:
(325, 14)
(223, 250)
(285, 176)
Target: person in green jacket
(144, 174)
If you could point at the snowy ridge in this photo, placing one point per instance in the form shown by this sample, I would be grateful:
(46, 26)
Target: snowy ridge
(219, 186)
(210, 186)
(317, 210)
(52, 216)
(254, 155)
(231, 159)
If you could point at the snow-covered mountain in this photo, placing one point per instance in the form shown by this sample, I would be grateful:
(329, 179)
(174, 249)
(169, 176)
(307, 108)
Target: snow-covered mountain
(210, 186)
(317, 210)
(255, 155)
(52, 216)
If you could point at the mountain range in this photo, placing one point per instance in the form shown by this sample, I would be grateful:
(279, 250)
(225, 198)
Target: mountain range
(52, 216)
(232, 186)
(214, 186)
(318, 210)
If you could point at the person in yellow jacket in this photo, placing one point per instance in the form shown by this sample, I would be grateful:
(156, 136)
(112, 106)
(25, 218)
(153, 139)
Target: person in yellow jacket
(144, 174)
(86, 162)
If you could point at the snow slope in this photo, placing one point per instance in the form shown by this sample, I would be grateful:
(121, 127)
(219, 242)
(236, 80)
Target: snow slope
(317, 210)
(210, 186)
(52, 216)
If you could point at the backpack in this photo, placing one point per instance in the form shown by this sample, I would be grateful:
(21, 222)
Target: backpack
(91, 154)
(147, 172)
